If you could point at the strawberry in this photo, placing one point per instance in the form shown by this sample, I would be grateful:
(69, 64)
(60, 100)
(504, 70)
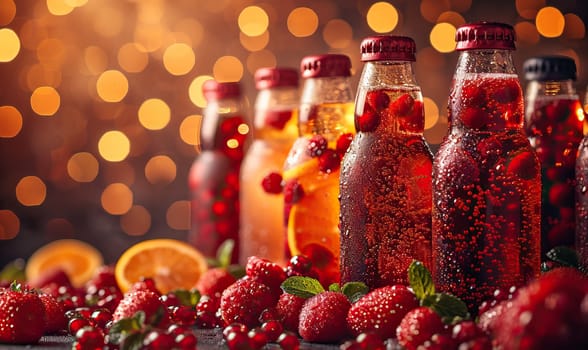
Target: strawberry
(329, 161)
(22, 316)
(55, 276)
(145, 284)
(142, 300)
(266, 272)
(214, 281)
(317, 144)
(288, 309)
(418, 326)
(244, 301)
(548, 313)
(381, 310)
(322, 318)
(272, 183)
(55, 319)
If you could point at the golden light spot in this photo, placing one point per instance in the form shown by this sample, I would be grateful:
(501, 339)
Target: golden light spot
(338, 34)
(51, 52)
(431, 112)
(112, 86)
(154, 114)
(178, 215)
(31, 191)
(136, 222)
(228, 68)
(132, 58)
(82, 167)
(550, 22)
(178, 59)
(302, 22)
(9, 45)
(527, 33)
(160, 170)
(435, 135)
(45, 101)
(254, 43)
(575, 27)
(243, 129)
(259, 59)
(59, 7)
(195, 90)
(7, 11)
(10, 121)
(190, 129)
(431, 9)
(96, 59)
(9, 224)
(232, 143)
(382, 17)
(452, 17)
(528, 8)
(442, 37)
(114, 146)
(149, 36)
(253, 21)
(59, 227)
(117, 199)
(108, 21)
(76, 3)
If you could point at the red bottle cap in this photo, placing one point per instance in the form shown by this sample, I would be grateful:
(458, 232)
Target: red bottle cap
(266, 78)
(388, 48)
(485, 35)
(214, 90)
(328, 65)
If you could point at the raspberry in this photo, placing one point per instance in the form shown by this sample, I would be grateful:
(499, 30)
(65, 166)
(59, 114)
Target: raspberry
(272, 183)
(266, 272)
(403, 105)
(293, 192)
(214, 281)
(418, 326)
(368, 120)
(329, 161)
(317, 144)
(343, 143)
(244, 301)
(377, 99)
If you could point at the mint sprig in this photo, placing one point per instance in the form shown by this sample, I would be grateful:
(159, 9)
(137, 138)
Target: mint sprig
(301, 286)
(450, 308)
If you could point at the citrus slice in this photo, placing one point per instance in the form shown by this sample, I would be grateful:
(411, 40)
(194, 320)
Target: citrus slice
(77, 259)
(172, 264)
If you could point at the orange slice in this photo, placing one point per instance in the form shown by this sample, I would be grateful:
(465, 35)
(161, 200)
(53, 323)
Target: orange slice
(77, 259)
(172, 264)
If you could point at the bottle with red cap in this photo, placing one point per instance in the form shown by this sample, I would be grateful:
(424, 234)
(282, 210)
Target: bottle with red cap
(385, 185)
(275, 129)
(311, 171)
(554, 125)
(214, 175)
(486, 175)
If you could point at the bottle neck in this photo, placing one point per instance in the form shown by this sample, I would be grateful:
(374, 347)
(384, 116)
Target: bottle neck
(552, 88)
(387, 74)
(276, 114)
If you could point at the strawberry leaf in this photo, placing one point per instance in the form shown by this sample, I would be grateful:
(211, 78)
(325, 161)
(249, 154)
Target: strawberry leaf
(125, 326)
(354, 290)
(237, 271)
(335, 287)
(224, 253)
(187, 297)
(420, 280)
(133, 341)
(304, 287)
(448, 306)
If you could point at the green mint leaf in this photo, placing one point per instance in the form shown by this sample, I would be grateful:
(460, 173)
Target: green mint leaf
(187, 297)
(448, 306)
(304, 287)
(354, 290)
(133, 341)
(237, 271)
(335, 287)
(420, 280)
(564, 255)
(121, 328)
(14, 271)
(224, 253)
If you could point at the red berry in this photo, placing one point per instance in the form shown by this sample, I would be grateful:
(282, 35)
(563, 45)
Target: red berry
(77, 323)
(272, 329)
(293, 191)
(322, 318)
(317, 144)
(142, 300)
(524, 166)
(377, 99)
(158, 339)
(244, 301)
(208, 320)
(288, 341)
(214, 281)
(415, 120)
(257, 337)
(370, 341)
(465, 331)
(510, 91)
(288, 309)
(238, 341)
(22, 316)
(55, 319)
(266, 272)
(208, 304)
(403, 105)
(184, 315)
(277, 119)
(186, 341)
(343, 143)
(473, 118)
(101, 317)
(236, 328)
(329, 161)
(418, 326)
(473, 96)
(300, 264)
(269, 314)
(89, 338)
(272, 183)
(368, 120)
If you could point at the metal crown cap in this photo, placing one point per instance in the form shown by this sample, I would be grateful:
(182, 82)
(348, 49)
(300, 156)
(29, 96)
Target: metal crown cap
(277, 76)
(215, 90)
(327, 65)
(485, 35)
(550, 68)
(388, 48)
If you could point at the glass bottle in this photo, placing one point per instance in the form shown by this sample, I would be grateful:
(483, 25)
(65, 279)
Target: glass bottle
(275, 129)
(554, 125)
(581, 242)
(385, 186)
(214, 175)
(486, 175)
(311, 171)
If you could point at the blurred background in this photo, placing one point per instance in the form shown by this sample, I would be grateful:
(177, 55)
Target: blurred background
(100, 100)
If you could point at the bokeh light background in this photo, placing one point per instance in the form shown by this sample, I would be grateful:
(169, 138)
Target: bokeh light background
(100, 100)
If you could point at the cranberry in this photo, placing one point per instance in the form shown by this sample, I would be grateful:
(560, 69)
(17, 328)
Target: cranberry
(207, 304)
(329, 161)
(238, 341)
(293, 191)
(272, 183)
(207, 320)
(272, 329)
(89, 338)
(370, 341)
(77, 323)
(235, 328)
(101, 317)
(288, 341)
(317, 144)
(158, 339)
(473, 95)
(403, 105)
(300, 263)
(258, 338)
(473, 118)
(368, 120)
(186, 341)
(268, 315)
(343, 143)
(184, 315)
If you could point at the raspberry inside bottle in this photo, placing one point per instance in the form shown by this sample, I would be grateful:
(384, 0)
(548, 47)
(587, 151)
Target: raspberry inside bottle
(214, 175)
(486, 175)
(385, 186)
(311, 171)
